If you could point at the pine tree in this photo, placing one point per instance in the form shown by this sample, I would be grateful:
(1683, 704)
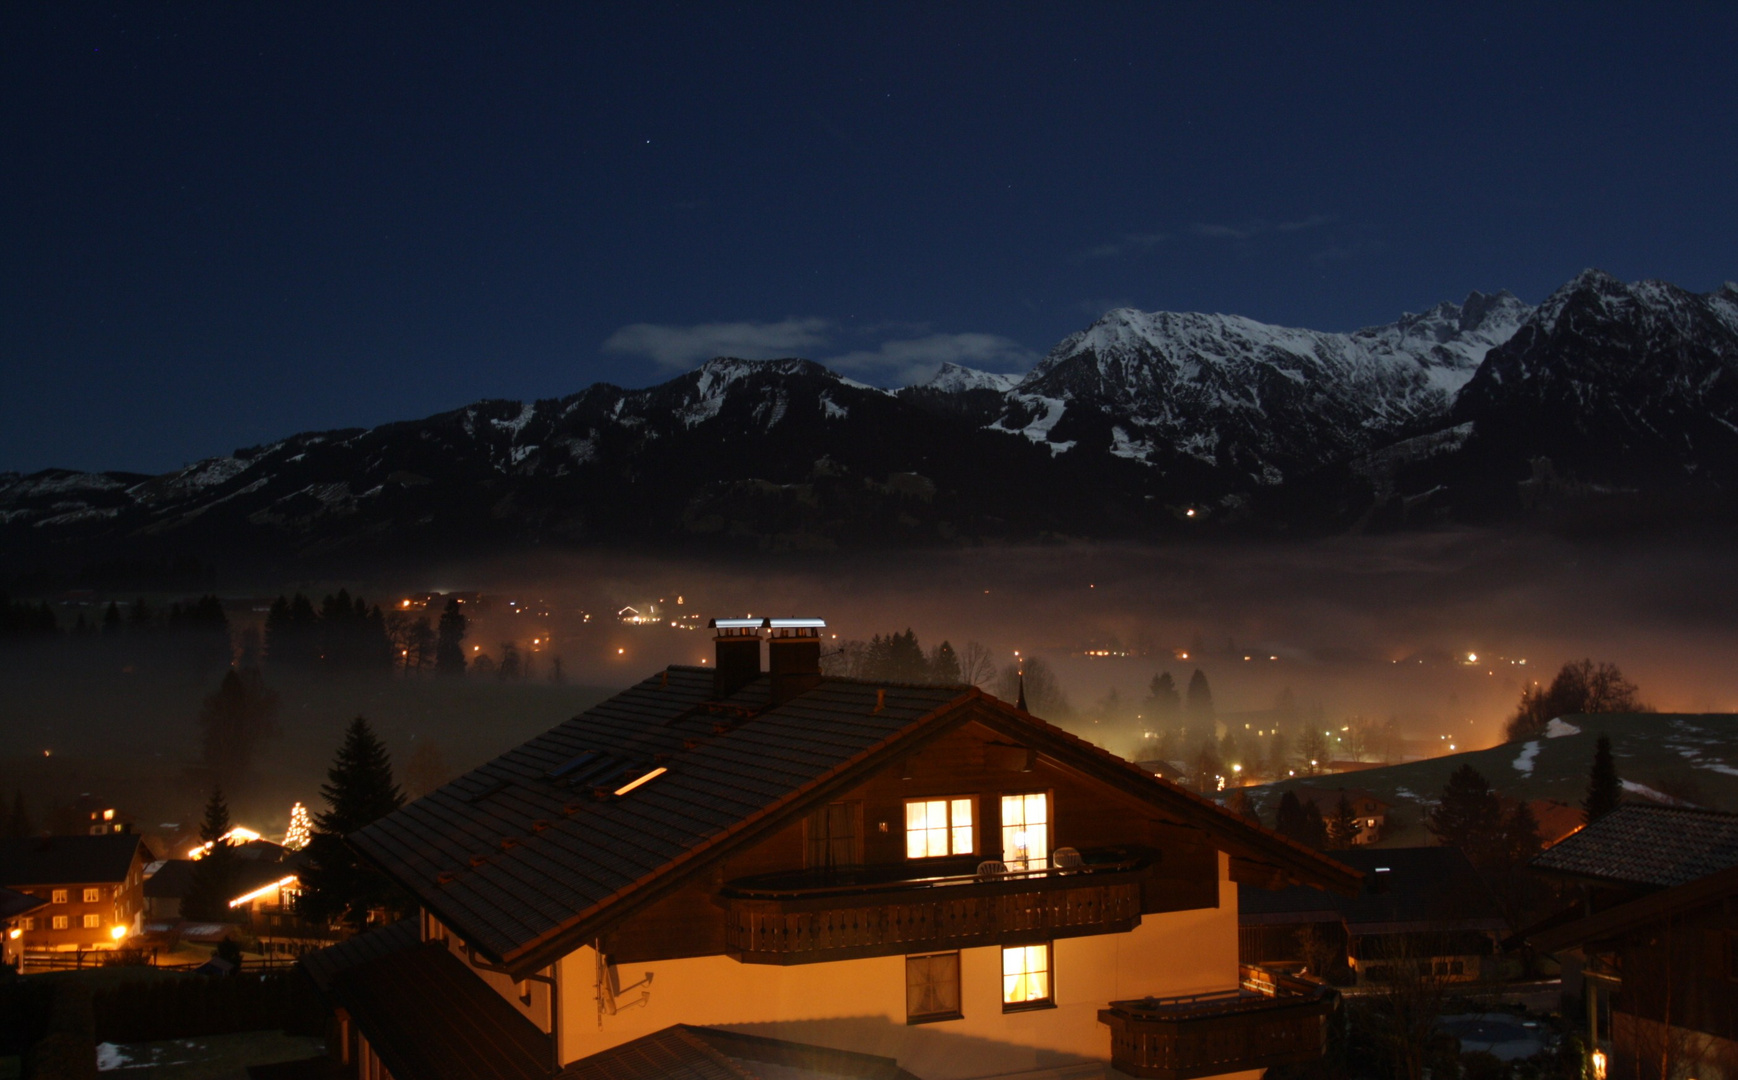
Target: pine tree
(1163, 701)
(209, 893)
(450, 647)
(18, 822)
(1604, 789)
(1343, 825)
(944, 666)
(359, 791)
(1200, 698)
(1315, 829)
(233, 722)
(1289, 820)
(1470, 817)
(1521, 835)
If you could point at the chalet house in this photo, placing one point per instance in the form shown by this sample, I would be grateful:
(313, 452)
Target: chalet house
(924, 876)
(93, 885)
(1425, 902)
(1653, 937)
(14, 908)
(1370, 811)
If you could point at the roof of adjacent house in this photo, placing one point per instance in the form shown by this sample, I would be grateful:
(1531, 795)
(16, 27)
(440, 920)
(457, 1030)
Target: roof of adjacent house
(683, 1052)
(429, 1018)
(173, 879)
(536, 851)
(67, 860)
(1649, 846)
(1637, 913)
(1404, 889)
(14, 904)
(323, 965)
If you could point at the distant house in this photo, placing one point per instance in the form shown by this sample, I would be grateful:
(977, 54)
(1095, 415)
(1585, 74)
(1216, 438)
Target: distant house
(1557, 819)
(93, 885)
(14, 908)
(833, 874)
(1370, 811)
(1422, 902)
(1652, 938)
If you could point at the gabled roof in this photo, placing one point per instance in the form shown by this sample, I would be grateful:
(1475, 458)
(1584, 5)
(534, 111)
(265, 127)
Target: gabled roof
(1405, 889)
(683, 1052)
(14, 904)
(1637, 914)
(67, 860)
(324, 965)
(534, 853)
(1648, 846)
(430, 1018)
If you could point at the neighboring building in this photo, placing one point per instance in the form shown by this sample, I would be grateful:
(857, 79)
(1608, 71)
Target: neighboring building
(1653, 939)
(15, 907)
(917, 873)
(1425, 902)
(1557, 819)
(94, 886)
(1371, 811)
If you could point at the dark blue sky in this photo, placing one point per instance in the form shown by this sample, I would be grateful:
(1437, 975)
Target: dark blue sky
(217, 228)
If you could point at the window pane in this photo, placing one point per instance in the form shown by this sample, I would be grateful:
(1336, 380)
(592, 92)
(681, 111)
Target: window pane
(962, 813)
(1025, 831)
(962, 841)
(932, 986)
(1025, 974)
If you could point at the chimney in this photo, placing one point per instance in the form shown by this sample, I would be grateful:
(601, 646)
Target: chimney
(737, 642)
(794, 656)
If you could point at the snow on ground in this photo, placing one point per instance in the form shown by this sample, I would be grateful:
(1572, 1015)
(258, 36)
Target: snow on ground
(1649, 793)
(1524, 760)
(1558, 728)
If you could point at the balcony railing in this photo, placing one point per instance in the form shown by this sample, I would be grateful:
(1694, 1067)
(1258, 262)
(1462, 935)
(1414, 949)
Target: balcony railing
(1270, 1020)
(794, 919)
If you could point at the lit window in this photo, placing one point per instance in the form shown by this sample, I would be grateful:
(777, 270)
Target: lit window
(91, 922)
(1025, 976)
(1026, 831)
(58, 897)
(91, 896)
(60, 922)
(938, 827)
(932, 987)
(29, 923)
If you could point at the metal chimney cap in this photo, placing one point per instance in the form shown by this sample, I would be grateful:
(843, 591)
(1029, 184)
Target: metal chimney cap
(735, 624)
(796, 624)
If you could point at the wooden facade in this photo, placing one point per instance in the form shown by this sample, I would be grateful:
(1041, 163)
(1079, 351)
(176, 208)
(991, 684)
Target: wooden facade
(1270, 1020)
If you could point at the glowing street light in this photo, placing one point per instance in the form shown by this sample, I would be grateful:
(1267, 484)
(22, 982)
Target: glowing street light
(117, 932)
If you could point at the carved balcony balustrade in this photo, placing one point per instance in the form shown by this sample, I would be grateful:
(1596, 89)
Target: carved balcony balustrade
(1271, 1019)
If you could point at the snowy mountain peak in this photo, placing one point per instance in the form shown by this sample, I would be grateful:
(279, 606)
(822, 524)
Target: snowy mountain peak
(954, 378)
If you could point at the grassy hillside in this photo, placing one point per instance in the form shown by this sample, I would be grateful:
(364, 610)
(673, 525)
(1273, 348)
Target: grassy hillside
(1685, 756)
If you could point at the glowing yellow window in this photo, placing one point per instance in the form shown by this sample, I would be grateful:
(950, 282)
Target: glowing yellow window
(1026, 831)
(936, 827)
(1025, 976)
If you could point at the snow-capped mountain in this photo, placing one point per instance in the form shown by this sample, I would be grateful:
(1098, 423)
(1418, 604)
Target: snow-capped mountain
(1478, 408)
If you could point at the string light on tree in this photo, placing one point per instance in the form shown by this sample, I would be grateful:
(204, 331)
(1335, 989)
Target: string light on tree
(301, 828)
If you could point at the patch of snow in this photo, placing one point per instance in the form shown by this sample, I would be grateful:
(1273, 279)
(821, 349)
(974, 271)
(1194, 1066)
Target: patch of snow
(1038, 430)
(517, 424)
(111, 1056)
(833, 409)
(954, 378)
(1649, 793)
(520, 453)
(1524, 760)
(1558, 728)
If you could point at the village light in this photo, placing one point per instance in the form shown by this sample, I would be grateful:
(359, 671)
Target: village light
(259, 892)
(15, 933)
(1599, 1065)
(117, 932)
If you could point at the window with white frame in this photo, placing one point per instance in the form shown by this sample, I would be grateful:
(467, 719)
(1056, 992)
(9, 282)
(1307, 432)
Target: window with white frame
(92, 896)
(935, 827)
(91, 922)
(58, 896)
(59, 922)
(1025, 977)
(1026, 831)
(28, 923)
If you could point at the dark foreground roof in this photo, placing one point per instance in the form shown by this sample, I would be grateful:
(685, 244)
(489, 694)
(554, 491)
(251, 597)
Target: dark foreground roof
(1650, 846)
(323, 965)
(533, 852)
(430, 1018)
(1647, 911)
(67, 860)
(683, 1052)
(14, 904)
(1404, 889)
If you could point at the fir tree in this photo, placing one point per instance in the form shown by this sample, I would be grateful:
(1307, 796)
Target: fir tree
(1289, 820)
(1200, 700)
(1604, 789)
(212, 888)
(1470, 817)
(1343, 825)
(944, 666)
(450, 646)
(1315, 828)
(112, 619)
(1521, 835)
(1163, 701)
(18, 821)
(359, 791)
(233, 722)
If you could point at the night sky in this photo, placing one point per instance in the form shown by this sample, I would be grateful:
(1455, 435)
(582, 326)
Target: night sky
(220, 224)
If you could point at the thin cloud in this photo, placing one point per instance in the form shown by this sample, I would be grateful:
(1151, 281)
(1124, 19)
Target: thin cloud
(1127, 244)
(1249, 230)
(912, 360)
(682, 347)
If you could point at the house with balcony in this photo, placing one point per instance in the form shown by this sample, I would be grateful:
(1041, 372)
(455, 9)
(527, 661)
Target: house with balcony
(93, 885)
(755, 863)
(15, 907)
(1651, 939)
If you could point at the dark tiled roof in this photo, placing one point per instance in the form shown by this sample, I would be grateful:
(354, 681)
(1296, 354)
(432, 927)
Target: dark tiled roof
(325, 964)
(1415, 887)
(682, 1052)
(1656, 846)
(14, 904)
(1648, 910)
(66, 860)
(175, 877)
(430, 1018)
(533, 847)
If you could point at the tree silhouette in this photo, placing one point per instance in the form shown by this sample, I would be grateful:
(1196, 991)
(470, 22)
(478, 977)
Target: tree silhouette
(212, 887)
(1342, 826)
(18, 821)
(944, 665)
(450, 646)
(1470, 817)
(1200, 698)
(359, 790)
(1604, 789)
(1579, 687)
(1163, 702)
(977, 664)
(234, 720)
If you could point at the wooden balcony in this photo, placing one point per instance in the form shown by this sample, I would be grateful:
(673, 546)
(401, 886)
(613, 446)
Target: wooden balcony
(1271, 1020)
(801, 919)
